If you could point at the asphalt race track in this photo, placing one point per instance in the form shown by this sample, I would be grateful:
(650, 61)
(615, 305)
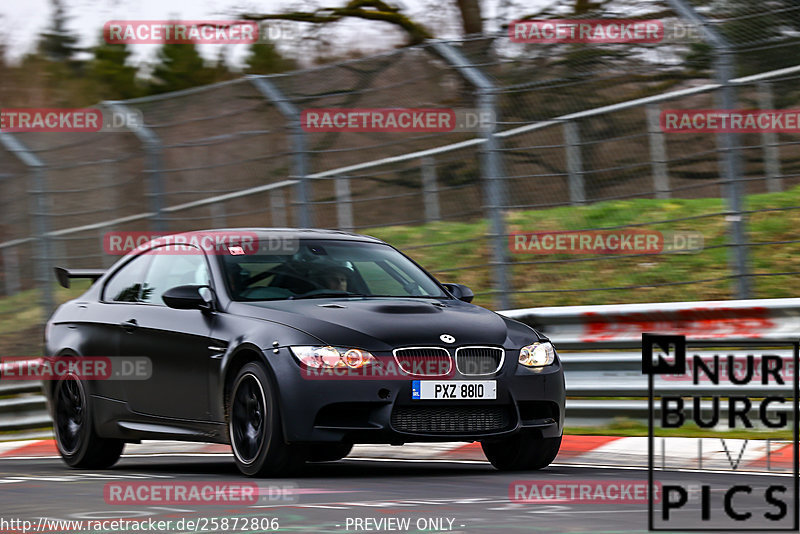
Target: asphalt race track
(430, 496)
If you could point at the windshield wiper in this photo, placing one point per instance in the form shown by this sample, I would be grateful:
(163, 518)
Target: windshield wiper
(328, 294)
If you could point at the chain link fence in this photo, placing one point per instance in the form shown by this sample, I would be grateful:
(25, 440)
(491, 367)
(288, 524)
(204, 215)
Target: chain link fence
(576, 145)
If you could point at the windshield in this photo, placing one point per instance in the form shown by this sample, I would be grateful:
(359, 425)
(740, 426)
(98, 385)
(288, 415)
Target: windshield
(327, 268)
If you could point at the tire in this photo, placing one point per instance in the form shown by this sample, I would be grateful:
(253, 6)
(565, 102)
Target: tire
(328, 452)
(77, 442)
(523, 452)
(254, 427)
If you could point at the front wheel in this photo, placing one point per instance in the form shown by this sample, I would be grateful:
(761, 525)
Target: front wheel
(523, 452)
(76, 440)
(254, 425)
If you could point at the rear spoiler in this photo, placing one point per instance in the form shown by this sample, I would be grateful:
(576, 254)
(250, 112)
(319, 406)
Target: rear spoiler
(65, 275)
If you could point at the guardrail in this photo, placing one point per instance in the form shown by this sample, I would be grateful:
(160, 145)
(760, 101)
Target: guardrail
(619, 326)
(588, 374)
(23, 408)
(619, 374)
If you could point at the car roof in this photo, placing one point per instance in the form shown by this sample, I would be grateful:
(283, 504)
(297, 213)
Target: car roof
(295, 233)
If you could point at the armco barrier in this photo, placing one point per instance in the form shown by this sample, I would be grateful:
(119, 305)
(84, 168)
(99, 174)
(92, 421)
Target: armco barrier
(619, 374)
(621, 325)
(588, 374)
(22, 407)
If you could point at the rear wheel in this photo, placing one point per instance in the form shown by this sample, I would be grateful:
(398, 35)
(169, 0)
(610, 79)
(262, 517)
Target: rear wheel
(76, 440)
(254, 426)
(523, 452)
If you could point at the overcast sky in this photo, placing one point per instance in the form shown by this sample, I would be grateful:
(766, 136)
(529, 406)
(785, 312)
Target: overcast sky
(22, 20)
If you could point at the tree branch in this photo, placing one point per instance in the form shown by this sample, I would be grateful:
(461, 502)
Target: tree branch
(362, 9)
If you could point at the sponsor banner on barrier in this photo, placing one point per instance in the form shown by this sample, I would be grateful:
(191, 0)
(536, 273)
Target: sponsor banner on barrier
(699, 323)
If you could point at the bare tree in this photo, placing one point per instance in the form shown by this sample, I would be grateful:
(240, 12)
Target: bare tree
(471, 19)
(375, 10)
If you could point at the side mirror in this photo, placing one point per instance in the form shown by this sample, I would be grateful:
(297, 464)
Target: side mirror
(460, 291)
(192, 297)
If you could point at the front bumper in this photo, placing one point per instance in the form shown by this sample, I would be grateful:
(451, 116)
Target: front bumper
(381, 410)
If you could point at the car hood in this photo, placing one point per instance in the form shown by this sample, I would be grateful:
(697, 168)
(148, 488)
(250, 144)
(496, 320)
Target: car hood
(380, 324)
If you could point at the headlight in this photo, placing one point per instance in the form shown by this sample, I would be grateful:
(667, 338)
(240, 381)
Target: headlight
(332, 357)
(537, 355)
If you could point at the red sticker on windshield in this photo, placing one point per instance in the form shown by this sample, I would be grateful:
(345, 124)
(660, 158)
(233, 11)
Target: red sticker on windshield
(236, 251)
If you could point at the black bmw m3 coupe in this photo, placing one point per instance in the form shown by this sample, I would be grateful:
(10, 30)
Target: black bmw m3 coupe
(292, 345)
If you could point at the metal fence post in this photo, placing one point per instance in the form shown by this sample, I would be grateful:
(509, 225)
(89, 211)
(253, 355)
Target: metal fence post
(58, 252)
(299, 153)
(769, 140)
(344, 203)
(153, 151)
(40, 211)
(728, 143)
(278, 208)
(658, 151)
(106, 258)
(11, 268)
(491, 169)
(218, 216)
(572, 144)
(430, 190)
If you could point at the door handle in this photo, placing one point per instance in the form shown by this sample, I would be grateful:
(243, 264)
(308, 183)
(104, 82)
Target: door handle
(130, 325)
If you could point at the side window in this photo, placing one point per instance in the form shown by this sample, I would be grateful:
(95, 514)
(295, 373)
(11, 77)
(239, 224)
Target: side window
(169, 270)
(126, 284)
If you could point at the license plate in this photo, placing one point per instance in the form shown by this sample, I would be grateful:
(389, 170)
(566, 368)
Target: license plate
(453, 389)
